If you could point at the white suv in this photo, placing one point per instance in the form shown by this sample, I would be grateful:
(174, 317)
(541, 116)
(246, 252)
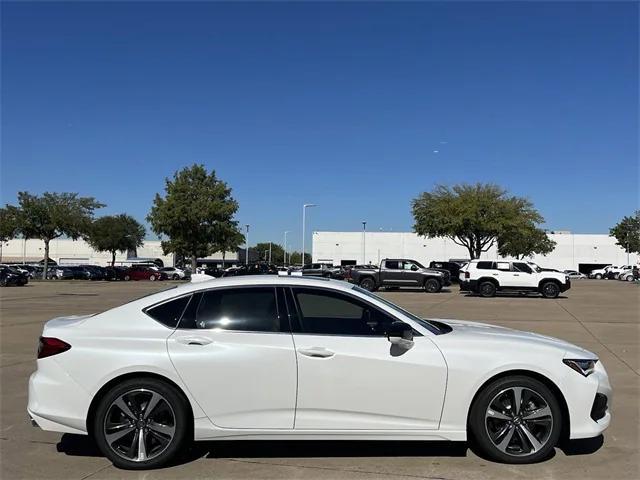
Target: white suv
(486, 277)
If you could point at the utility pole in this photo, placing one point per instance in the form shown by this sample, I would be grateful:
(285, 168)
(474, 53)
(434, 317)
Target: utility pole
(285, 247)
(364, 252)
(246, 253)
(269, 252)
(304, 212)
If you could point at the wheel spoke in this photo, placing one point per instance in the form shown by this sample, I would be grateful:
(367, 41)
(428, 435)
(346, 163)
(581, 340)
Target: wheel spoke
(498, 415)
(163, 429)
(151, 404)
(121, 431)
(142, 448)
(538, 413)
(507, 438)
(517, 399)
(122, 405)
(533, 441)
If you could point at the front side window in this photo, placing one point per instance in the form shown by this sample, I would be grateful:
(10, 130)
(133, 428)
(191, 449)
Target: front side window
(333, 313)
(244, 309)
(522, 267)
(503, 266)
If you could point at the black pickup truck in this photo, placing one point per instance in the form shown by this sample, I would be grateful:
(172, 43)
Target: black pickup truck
(400, 272)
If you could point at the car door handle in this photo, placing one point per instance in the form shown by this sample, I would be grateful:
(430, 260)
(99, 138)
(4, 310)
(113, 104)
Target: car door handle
(195, 340)
(516, 274)
(315, 352)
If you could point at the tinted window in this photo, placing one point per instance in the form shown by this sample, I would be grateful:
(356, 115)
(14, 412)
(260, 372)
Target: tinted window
(169, 313)
(245, 309)
(393, 264)
(332, 313)
(484, 265)
(523, 267)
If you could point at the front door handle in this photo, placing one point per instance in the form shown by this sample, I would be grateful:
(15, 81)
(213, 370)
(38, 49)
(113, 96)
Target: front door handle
(195, 340)
(315, 352)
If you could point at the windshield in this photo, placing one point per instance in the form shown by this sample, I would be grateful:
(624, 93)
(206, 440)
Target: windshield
(418, 264)
(425, 323)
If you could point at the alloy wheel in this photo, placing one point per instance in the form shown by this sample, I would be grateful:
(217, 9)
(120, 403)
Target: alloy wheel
(139, 425)
(519, 422)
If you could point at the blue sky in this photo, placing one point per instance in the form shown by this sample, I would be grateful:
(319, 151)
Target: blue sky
(357, 107)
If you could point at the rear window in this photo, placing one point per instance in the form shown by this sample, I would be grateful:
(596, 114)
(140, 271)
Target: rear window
(485, 266)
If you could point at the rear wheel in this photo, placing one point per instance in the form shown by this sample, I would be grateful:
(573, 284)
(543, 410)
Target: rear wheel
(141, 423)
(516, 420)
(487, 289)
(431, 285)
(127, 278)
(598, 276)
(629, 278)
(368, 284)
(550, 290)
(152, 278)
(176, 276)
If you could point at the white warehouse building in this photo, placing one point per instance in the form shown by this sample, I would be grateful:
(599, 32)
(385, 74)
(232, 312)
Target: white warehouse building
(583, 252)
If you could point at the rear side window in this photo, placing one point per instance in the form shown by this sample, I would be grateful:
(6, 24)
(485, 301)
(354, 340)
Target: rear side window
(241, 309)
(169, 313)
(485, 266)
(392, 264)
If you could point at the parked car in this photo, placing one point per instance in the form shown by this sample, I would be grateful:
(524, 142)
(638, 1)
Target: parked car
(12, 277)
(148, 377)
(614, 273)
(400, 272)
(174, 273)
(64, 273)
(145, 272)
(488, 277)
(116, 273)
(600, 273)
(452, 267)
(574, 275)
(95, 272)
(629, 275)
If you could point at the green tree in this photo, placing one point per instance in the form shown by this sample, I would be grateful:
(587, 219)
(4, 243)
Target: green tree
(8, 223)
(195, 208)
(295, 258)
(473, 216)
(521, 243)
(228, 238)
(116, 233)
(277, 252)
(53, 215)
(627, 232)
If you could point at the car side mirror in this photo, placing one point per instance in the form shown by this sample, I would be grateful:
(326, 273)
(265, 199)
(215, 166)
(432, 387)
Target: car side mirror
(401, 334)
(414, 268)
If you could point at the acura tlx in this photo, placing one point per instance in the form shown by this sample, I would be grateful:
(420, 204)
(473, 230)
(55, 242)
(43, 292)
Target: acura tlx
(269, 357)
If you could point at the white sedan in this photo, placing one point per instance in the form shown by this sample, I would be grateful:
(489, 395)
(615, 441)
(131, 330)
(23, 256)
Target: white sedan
(268, 357)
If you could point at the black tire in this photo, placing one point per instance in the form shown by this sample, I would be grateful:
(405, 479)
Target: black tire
(432, 285)
(550, 290)
(176, 276)
(126, 278)
(629, 278)
(598, 276)
(182, 423)
(487, 289)
(368, 284)
(152, 278)
(485, 427)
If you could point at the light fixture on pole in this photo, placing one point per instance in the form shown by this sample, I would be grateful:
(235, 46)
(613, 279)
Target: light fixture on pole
(364, 252)
(246, 253)
(304, 212)
(285, 247)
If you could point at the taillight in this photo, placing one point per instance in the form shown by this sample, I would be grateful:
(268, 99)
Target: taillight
(466, 275)
(49, 346)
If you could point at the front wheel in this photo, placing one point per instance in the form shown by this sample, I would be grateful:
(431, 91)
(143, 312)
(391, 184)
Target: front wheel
(368, 284)
(431, 285)
(550, 290)
(598, 276)
(141, 423)
(176, 276)
(152, 278)
(516, 419)
(629, 278)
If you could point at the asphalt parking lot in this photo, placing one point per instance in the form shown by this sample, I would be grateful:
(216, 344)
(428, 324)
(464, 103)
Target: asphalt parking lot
(602, 316)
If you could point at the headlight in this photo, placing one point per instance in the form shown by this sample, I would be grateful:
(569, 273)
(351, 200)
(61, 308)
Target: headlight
(583, 367)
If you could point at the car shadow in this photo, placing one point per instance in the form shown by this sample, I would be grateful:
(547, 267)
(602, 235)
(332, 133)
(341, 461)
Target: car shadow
(514, 295)
(583, 446)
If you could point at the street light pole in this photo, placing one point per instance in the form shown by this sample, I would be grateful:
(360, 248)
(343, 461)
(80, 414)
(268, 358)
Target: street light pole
(304, 212)
(246, 253)
(285, 247)
(364, 252)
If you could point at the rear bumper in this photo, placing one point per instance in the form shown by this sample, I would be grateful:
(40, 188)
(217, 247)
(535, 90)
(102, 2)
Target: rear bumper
(565, 286)
(468, 285)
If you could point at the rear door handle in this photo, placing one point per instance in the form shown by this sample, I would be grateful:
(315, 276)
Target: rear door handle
(315, 352)
(195, 340)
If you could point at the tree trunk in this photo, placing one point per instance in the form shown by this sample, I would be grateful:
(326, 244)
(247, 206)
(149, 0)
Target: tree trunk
(113, 259)
(223, 255)
(46, 259)
(194, 263)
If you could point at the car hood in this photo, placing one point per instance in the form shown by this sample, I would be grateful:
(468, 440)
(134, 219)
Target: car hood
(485, 332)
